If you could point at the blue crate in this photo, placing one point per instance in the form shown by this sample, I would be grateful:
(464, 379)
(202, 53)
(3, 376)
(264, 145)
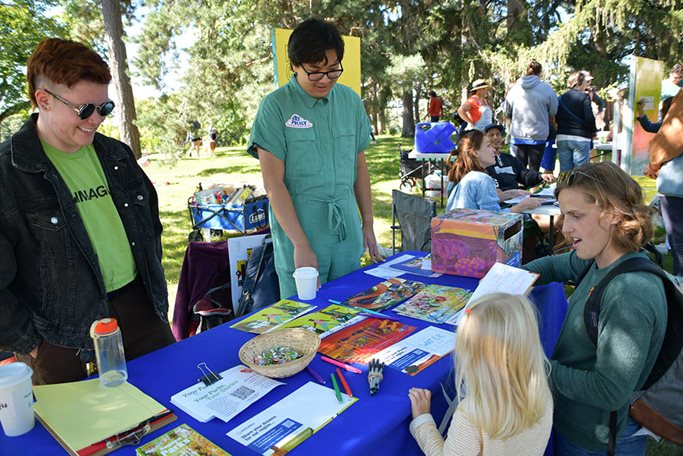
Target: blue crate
(434, 137)
(253, 215)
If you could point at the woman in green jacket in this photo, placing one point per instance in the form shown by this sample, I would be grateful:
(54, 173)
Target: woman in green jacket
(607, 222)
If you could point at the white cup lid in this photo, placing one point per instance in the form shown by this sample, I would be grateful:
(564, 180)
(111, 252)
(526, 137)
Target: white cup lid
(13, 373)
(306, 272)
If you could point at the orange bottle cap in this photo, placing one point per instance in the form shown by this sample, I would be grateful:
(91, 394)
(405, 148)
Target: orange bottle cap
(106, 326)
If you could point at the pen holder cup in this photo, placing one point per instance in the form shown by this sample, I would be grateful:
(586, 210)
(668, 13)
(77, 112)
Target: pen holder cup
(303, 341)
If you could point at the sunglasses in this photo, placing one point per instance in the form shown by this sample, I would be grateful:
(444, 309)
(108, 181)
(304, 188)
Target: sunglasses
(315, 76)
(86, 110)
(569, 178)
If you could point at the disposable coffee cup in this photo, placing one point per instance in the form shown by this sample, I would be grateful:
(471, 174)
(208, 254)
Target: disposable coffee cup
(306, 279)
(16, 399)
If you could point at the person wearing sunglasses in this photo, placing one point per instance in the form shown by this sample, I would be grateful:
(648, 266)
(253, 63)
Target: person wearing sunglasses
(80, 235)
(309, 136)
(605, 218)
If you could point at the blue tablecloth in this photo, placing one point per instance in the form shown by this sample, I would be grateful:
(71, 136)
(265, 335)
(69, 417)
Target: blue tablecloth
(373, 425)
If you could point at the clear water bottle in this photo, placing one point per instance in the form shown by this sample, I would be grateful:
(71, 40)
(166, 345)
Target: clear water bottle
(111, 361)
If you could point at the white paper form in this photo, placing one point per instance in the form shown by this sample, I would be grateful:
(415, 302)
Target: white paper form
(416, 352)
(385, 271)
(502, 278)
(238, 389)
(290, 421)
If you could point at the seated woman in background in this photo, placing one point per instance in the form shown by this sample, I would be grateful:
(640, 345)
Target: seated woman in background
(606, 220)
(474, 188)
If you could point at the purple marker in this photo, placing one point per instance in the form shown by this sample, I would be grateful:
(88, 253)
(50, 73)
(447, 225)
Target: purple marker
(315, 375)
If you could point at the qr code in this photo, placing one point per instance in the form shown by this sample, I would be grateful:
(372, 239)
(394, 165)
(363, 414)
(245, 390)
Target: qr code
(242, 392)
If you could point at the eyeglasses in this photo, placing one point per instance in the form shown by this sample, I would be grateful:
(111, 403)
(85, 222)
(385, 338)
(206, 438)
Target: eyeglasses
(85, 110)
(314, 76)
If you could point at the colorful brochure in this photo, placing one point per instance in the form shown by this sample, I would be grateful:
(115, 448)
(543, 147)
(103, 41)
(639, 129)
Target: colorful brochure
(272, 317)
(417, 265)
(328, 320)
(422, 349)
(385, 294)
(435, 304)
(181, 441)
(360, 342)
(287, 423)
(238, 388)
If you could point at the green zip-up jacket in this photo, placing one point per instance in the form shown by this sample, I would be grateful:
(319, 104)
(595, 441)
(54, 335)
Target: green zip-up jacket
(589, 382)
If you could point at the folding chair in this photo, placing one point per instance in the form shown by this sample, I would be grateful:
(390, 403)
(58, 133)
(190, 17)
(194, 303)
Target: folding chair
(414, 216)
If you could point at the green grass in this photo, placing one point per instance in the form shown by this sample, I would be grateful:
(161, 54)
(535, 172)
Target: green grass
(176, 181)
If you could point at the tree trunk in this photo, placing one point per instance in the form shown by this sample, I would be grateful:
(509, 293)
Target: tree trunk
(408, 129)
(125, 104)
(416, 103)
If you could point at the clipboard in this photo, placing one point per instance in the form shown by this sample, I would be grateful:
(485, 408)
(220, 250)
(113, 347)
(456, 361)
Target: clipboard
(89, 419)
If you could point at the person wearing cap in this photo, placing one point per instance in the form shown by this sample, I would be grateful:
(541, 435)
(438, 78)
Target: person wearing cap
(80, 235)
(531, 105)
(476, 109)
(309, 136)
(435, 107)
(575, 123)
(508, 171)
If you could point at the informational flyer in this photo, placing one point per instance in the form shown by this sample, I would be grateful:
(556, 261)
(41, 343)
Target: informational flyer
(385, 294)
(435, 304)
(272, 317)
(238, 388)
(419, 351)
(181, 441)
(287, 423)
(360, 342)
(239, 251)
(327, 321)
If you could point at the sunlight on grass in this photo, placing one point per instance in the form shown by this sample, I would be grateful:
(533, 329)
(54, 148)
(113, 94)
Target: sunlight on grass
(233, 166)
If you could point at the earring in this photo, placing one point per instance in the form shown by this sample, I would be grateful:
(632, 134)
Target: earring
(44, 108)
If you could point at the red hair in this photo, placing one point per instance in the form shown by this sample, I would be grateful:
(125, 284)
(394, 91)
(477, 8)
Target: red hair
(64, 62)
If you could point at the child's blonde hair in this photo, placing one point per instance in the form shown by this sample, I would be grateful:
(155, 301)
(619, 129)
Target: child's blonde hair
(500, 365)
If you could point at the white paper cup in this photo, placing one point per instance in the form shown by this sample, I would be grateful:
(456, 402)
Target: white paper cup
(16, 399)
(306, 279)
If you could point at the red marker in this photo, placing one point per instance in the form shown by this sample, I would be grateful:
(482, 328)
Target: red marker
(344, 384)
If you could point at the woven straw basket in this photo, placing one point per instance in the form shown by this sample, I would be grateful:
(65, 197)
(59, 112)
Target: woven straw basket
(303, 341)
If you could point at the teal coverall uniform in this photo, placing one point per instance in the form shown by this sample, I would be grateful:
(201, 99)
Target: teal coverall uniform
(318, 139)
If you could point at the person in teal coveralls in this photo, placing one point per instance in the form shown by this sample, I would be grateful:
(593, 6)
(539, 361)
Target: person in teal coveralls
(309, 136)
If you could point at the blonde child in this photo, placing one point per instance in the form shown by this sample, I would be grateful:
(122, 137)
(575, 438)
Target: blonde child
(505, 405)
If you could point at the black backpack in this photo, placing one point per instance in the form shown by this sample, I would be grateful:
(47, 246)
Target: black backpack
(658, 405)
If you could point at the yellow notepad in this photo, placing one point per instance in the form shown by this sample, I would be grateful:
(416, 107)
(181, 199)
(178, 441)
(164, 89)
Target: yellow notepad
(81, 414)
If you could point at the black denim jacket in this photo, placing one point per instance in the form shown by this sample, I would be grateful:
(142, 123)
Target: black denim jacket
(51, 287)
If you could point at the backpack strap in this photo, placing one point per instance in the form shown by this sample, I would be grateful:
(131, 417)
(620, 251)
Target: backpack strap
(591, 311)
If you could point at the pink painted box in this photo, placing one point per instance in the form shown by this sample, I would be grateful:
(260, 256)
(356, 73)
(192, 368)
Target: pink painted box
(467, 242)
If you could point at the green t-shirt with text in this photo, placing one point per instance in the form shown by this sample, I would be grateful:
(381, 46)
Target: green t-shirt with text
(83, 174)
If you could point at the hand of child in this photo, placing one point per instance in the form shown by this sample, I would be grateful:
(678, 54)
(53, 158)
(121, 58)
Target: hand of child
(548, 178)
(420, 400)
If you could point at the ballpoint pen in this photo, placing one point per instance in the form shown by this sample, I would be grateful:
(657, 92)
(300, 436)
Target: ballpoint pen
(336, 388)
(366, 312)
(342, 365)
(371, 314)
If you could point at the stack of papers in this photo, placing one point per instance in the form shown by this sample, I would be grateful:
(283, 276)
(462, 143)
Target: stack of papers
(238, 389)
(88, 418)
